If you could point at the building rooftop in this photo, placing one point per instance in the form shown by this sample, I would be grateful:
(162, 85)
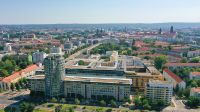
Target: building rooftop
(99, 79)
(197, 89)
(172, 75)
(195, 73)
(37, 77)
(20, 73)
(159, 83)
(116, 80)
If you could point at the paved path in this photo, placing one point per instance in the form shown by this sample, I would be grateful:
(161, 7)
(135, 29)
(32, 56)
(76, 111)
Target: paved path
(81, 51)
(179, 107)
(9, 98)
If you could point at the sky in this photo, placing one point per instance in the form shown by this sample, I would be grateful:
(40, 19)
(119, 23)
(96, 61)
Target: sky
(98, 11)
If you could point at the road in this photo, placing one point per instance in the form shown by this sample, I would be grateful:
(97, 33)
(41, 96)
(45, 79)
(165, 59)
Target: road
(81, 51)
(12, 97)
(178, 107)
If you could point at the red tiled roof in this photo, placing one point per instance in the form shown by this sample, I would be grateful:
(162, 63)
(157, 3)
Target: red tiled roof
(12, 77)
(144, 49)
(182, 64)
(195, 73)
(30, 68)
(172, 75)
(195, 89)
(19, 73)
(139, 43)
(157, 43)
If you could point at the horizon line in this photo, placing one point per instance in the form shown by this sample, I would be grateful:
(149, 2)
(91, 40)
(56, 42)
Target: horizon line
(100, 23)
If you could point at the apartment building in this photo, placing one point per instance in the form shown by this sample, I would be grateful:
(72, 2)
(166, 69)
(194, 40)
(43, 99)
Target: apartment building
(139, 80)
(38, 57)
(173, 78)
(195, 53)
(16, 76)
(173, 66)
(156, 90)
(194, 75)
(195, 92)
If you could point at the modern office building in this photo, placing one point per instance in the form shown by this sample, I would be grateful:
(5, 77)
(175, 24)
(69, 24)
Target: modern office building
(56, 50)
(68, 45)
(38, 57)
(79, 82)
(159, 90)
(54, 73)
(87, 87)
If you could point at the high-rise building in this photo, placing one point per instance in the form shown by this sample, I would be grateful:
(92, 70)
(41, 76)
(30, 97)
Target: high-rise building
(172, 29)
(38, 57)
(159, 91)
(56, 50)
(68, 45)
(160, 31)
(7, 47)
(54, 74)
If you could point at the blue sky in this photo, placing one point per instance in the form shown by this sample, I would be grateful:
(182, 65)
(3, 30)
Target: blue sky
(98, 11)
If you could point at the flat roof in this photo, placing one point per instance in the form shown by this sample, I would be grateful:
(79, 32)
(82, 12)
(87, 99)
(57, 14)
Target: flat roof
(110, 80)
(99, 79)
(37, 77)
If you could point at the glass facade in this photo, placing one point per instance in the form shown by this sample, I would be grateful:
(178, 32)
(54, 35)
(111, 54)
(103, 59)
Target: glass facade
(54, 74)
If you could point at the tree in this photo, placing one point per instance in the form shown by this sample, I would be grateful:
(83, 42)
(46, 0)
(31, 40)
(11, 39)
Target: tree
(129, 100)
(4, 73)
(159, 61)
(194, 84)
(129, 52)
(195, 60)
(137, 101)
(160, 103)
(193, 102)
(147, 57)
(63, 100)
(12, 86)
(147, 106)
(133, 42)
(26, 107)
(77, 101)
(169, 48)
(134, 48)
(81, 62)
(58, 108)
(54, 100)
(71, 110)
(184, 60)
(113, 103)
(102, 103)
(8, 63)
(153, 51)
(17, 86)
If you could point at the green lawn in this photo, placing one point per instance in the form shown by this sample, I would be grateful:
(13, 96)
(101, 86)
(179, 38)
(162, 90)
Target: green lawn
(51, 107)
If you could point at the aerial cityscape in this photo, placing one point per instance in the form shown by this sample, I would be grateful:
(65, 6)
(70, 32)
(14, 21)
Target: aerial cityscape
(102, 56)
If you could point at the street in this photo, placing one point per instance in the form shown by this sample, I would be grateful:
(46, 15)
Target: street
(179, 106)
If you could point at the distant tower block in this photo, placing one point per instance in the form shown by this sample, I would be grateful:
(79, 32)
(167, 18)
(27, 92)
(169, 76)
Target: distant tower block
(160, 31)
(172, 29)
